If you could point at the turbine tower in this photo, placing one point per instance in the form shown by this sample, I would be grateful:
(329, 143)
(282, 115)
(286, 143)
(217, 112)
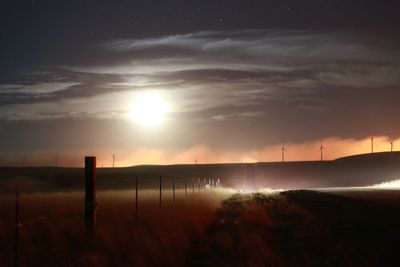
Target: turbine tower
(321, 149)
(372, 144)
(391, 146)
(113, 164)
(283, 152)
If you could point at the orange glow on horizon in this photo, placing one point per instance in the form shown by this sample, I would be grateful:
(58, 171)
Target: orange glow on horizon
(333, 148)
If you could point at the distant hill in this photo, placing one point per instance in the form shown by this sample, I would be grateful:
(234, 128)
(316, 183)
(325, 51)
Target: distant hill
(357, 170)
(379, 156)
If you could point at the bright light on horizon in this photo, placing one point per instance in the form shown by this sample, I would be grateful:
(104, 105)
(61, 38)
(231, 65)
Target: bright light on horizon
(395, 184)
(149, 109)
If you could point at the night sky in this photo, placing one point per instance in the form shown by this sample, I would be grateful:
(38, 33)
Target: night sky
(240, 78)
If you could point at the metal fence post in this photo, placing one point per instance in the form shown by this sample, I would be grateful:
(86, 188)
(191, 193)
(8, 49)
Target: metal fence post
(17, 226)
(136, 201)
(185, 187)
(198, 184)
(160, 192)
(173, 187)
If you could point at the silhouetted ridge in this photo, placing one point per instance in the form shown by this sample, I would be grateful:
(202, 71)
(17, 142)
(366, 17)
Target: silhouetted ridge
(379, 156)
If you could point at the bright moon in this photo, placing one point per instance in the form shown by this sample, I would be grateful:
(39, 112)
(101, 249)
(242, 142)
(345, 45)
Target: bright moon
(149, 109)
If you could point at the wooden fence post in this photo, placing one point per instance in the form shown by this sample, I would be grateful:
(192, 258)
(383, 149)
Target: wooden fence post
(17, 226)
(136, 201)
(90, 194)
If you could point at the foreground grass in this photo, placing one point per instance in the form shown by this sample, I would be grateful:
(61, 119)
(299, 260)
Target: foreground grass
(162, 237)
(300, 228)
(294, 228)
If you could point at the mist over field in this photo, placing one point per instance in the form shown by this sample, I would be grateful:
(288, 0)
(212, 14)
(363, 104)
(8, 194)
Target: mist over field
(362, 170)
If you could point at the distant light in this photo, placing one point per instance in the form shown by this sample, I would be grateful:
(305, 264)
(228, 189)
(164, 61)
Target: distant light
(395, 184)
(264, 190)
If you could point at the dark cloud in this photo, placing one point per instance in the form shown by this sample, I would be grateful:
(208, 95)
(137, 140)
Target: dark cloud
(237, 68)
(235, 80)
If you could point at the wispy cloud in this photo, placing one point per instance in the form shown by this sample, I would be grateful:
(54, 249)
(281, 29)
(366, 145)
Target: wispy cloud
(287, 83)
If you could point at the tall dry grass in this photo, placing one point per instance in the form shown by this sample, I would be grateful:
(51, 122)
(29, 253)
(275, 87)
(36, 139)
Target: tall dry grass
(162, 237)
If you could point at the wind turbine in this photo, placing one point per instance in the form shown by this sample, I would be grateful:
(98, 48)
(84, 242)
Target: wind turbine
(372, 144)
(321, 149)
(391, 146)
(283, 152)
(113, 163)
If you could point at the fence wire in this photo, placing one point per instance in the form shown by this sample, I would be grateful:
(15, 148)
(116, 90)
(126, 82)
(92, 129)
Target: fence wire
(37, 219)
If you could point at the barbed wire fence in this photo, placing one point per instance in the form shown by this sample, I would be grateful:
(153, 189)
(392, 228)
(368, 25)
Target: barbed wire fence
(19, 224)
(90, 203)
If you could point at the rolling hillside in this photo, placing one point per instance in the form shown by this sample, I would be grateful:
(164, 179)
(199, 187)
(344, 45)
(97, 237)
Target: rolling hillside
(358, 170)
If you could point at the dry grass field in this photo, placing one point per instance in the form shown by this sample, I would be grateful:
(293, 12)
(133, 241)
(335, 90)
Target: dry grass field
(211, 228)
(162, 237)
